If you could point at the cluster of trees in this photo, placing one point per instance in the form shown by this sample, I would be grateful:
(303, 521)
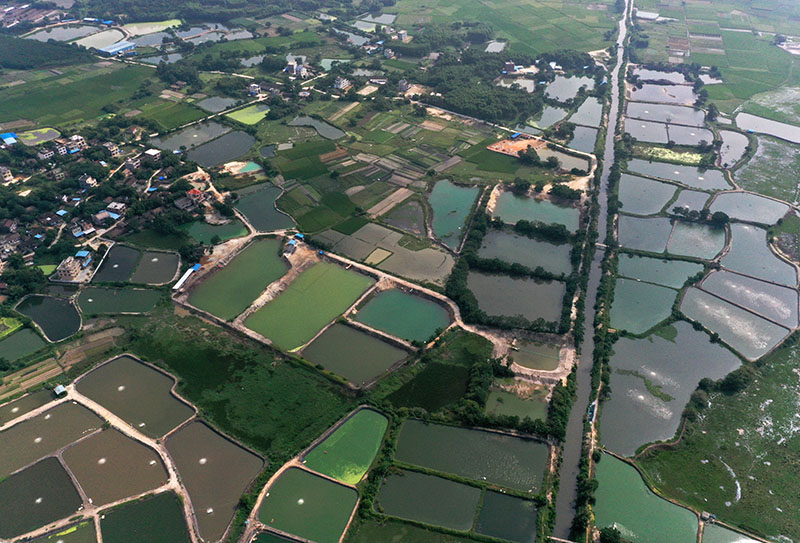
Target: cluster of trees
(21, 279)
(179, 71)
(718, 218)
(22, 54)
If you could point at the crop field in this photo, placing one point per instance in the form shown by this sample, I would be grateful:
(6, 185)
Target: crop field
(232, 289)
(348, 452)
(734, 459)
(311, 301)
(250, 115)
(169, 114)
(531, 26)
(81, 94)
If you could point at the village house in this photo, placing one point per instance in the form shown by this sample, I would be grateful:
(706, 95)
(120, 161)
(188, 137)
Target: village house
(133, 163)
(86, 181)
(153, 154)
(6, 175)
(45, 154)
(112, 148)
(342, 84)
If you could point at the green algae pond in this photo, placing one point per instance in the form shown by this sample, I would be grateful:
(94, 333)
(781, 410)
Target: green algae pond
(216, 472)
(517, 249)
(104, 301)
(502, 402)
(404, 315)
(451, 205)
(507, 517)
(308, 506)
(638, 306)
(511, 296)
(348, 452)
(44, 434)
(204, 233)
(77, 533)
(652, 380)
(504, 460)
(57, 317)
(257, 203)
(36, 496)
(110, 466)
(20, 344)
(511, 208)
(668, 273)
(118, 265)
(23, 405)
(316, 296)
(623, 501)
(156, 268)
(230, 290)
(355, 355)
(429, 499)
(137, 393)
(536, 356)
(157, 519)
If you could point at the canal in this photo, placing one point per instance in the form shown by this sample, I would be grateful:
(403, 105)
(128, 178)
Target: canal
(571, 454)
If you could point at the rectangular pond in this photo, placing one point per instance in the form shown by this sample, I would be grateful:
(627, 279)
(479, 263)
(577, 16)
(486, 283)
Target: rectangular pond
(20, 344)
(734, 145)
(590, 113)
(774, 302)
(508, 296)
(191, 136)
(644, 234)
(511, 208)
(745, 332)
(745, 206)
(137, 393)
(500, 459)
(689, 135)
(642, 196)
(223, 149)
(348, 452)
(103, 301)
(204, 233)
(257, 204)
(750, 254)
(451, 206)
(355, 355)
(669, 273)
(436, 386)
(428, 499)
(156, 268)
(27, 403)
(583, 139)
(404, 315)
(215, 471)
(534, 355)
(157, 519)
(317, 296)
(231, 290)
(638, 306)
(784, 131)
(697, 240)
(646, 131)
(564, 88)
(690, 199)
(507, 517)
(645, 74)
(308, 506)
(502, 402)
(664, 94)
(118, 264)
(515, 248)
(688, 175)
(664, 113)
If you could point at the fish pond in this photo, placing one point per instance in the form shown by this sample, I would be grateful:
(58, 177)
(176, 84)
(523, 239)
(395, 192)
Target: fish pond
(216, 472)
(158, 519)
(355, 355)
(317, 296)
(110, 466)
(323, 129)
(257, 204)
(642, 196)
(36, 496)
(230, 290)
(404, 315)
(16, 408)
(514, 248)
(548, 117)
(652, 380)
(784, 131)
(44, 434)
(583, 139)
(644, 234)
(625, 502)
(774, 302)
(745, 332)
(664, 113)
(102, 300)
(695, 239)
(507, 517)
(56, 317)
(223, 149)
(500, 459)
(536, 356)
(511, 208)
(690, 199)
(503, 295)
(664, 94)
(734, 145)
(63, 33)
(20, 344)
(137, 393)
(590, 113)
(308, 506)
(215, 104)
(750, 254)
(745, 206)
(77, 533)
(689, 135)
(436, 386)
(564, 88)
(669, 273)
(348, 452)
(118, 264)
(687, 175)
(713, 533)
(646, 131)
(502, 402)
(638, 306)
(204, 233)
(428, 499)
(451, 206)
(101, 39)
(645, 74)
(191, 136)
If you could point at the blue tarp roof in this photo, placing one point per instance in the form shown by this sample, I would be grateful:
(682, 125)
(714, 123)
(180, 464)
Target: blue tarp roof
(81, 254)
(196, 267)
(61, 212)
(113, 215)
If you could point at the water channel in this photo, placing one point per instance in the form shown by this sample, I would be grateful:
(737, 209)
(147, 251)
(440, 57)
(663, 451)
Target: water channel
(574, 438)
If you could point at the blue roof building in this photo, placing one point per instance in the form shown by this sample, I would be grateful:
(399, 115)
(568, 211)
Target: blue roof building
(9, 138)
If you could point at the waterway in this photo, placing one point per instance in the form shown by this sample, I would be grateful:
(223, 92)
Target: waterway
(574, 438)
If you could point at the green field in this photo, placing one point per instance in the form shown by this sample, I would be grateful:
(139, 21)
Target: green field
(348, 452)
(75, 96)
(313, 299)
(250, 115)
(170, 115)
(232, 289)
